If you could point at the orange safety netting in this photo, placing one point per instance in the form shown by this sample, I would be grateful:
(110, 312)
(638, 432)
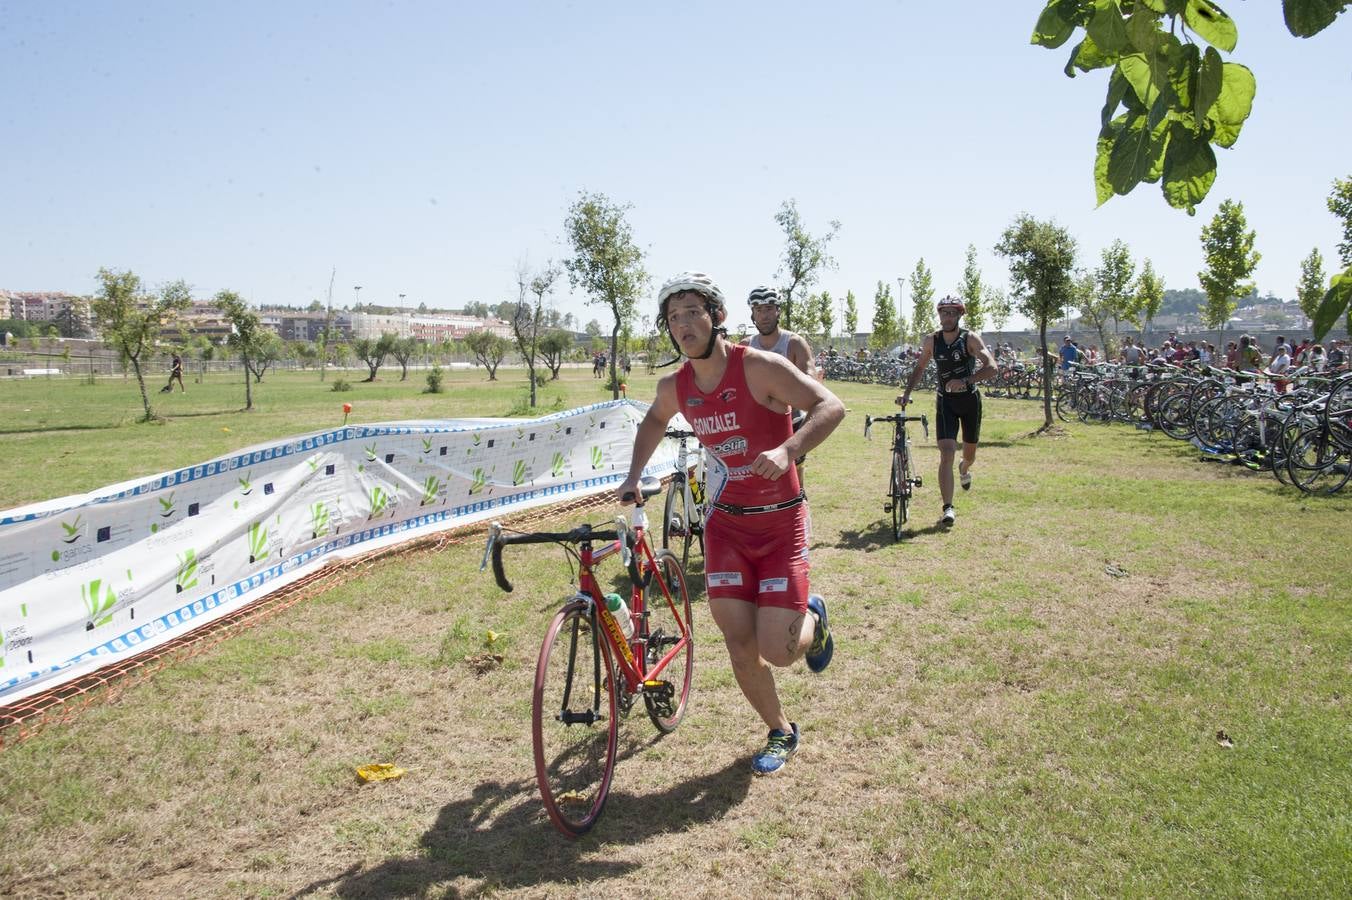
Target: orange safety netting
(64, 702)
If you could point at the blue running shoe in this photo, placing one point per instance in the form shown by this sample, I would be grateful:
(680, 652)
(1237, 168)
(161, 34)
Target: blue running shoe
(778, 748)
(819, 652)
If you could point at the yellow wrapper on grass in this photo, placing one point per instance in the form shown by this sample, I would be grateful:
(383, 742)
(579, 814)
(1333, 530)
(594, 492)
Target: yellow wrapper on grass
(379, 772)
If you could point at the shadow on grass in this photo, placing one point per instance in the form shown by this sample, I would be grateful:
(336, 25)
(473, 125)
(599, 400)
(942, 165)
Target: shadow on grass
(880, 536)
(48, 428)
(205, 413)
(500, 836)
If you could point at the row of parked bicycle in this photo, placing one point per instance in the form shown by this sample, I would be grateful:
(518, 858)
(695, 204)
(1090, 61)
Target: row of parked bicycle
(1298, 427)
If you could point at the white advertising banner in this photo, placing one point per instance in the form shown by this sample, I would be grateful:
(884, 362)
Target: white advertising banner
(93, 579)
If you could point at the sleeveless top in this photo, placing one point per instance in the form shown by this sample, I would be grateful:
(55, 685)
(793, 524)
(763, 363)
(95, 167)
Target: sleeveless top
(736, 429)
(953, 359)
(781, 346)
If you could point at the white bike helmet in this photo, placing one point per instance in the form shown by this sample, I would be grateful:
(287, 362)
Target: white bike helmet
(763, 296)
(951, 302)
(713, 302)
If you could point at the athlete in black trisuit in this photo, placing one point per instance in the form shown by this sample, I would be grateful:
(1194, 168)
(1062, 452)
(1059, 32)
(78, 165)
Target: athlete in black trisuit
(963, 360)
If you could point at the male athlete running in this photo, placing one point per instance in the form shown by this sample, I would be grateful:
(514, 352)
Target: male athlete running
(737, 401)
(963, 360)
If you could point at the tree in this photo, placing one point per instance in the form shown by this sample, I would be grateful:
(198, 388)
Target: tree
(1109, 295)
(1338, 299)
(527, 318)
(267, 349)
(373, 351)
(972, 292)
(477, 309)
(1149, 290)
(1310, 289)
(805, 257)
(852, 315)
(1177, 98)
(1041, 261)
(997, 304)
(923, 321)
(825, 316)
(884, 335)
(132, 321)
(404, 349)
(593, 329)
(1230, 259)
(245, 334)
(488, 349)
(606, 263)
(554, 345)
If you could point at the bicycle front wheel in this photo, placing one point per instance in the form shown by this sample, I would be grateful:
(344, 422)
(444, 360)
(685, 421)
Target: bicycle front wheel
(676, 521)
(669, 627)
(574, 724)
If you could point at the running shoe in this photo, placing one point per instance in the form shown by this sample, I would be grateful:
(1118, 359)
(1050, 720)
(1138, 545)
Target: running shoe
(965, 479)
(778, 748)
(822, 647)
(949, 517)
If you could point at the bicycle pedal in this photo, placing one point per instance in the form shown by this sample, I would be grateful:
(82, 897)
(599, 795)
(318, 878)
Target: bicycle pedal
(918, 481)
(887, 507)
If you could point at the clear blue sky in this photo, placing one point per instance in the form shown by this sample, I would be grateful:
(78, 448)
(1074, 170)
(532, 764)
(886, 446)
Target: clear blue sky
(423, 148)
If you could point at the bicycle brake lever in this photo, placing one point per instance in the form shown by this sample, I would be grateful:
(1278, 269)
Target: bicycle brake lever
(868, 428)
(494, 530)
(925, 423)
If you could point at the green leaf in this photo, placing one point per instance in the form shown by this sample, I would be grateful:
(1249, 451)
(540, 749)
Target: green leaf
(1233, 105)
(1143, 31)
(1189, 169)
(1306, 18)
(1159, 141)
(1334, 304)
(1117, 89)
(1184, 62)
(1157, 5)
(1107, 28)
(1103, 188)
(1212, 24)
(1087, 56)
(1136, 70)
(1055, 25)
(1129, 160)
(1210, 75)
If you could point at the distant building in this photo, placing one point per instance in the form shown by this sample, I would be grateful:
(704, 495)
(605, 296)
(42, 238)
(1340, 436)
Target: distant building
(69, 313)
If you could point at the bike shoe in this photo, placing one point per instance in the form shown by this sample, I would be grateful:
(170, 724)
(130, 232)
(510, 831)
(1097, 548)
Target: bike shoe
(819, 652)
(778, 748)
(965, 479)
(949, 517)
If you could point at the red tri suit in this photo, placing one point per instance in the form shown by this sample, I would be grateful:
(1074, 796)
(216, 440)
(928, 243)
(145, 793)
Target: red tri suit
(757, 557)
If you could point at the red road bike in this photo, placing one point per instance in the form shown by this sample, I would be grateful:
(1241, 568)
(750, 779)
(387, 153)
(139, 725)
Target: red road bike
(589, 673)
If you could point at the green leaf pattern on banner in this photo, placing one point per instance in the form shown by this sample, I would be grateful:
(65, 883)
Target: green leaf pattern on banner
(430, 489)
(98, 599)
(187, 570)
(319, 518)
(258, 542)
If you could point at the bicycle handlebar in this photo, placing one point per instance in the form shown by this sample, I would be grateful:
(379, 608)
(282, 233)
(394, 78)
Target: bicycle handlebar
(898, 418)
(497, 540)
(677, 433)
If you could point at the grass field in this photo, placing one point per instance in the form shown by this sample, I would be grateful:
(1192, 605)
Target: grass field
(1030, 705)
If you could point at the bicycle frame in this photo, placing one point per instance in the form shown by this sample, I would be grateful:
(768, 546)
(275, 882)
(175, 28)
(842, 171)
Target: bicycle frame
(631, 543)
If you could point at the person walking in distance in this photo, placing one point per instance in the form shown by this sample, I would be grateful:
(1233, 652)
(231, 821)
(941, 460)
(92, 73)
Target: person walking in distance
(737, 400)
(176, 374)
(963, 360)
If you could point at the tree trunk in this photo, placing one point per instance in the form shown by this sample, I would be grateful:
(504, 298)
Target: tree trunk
(403, 375)
(248, 386)
(614, 347)
(1047, 369)
(141, 382)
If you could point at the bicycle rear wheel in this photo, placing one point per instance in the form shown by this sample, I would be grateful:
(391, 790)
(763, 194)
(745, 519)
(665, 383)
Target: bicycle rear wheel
(668, 623)
(574, 722)
(1317, 464)
(676, 514)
